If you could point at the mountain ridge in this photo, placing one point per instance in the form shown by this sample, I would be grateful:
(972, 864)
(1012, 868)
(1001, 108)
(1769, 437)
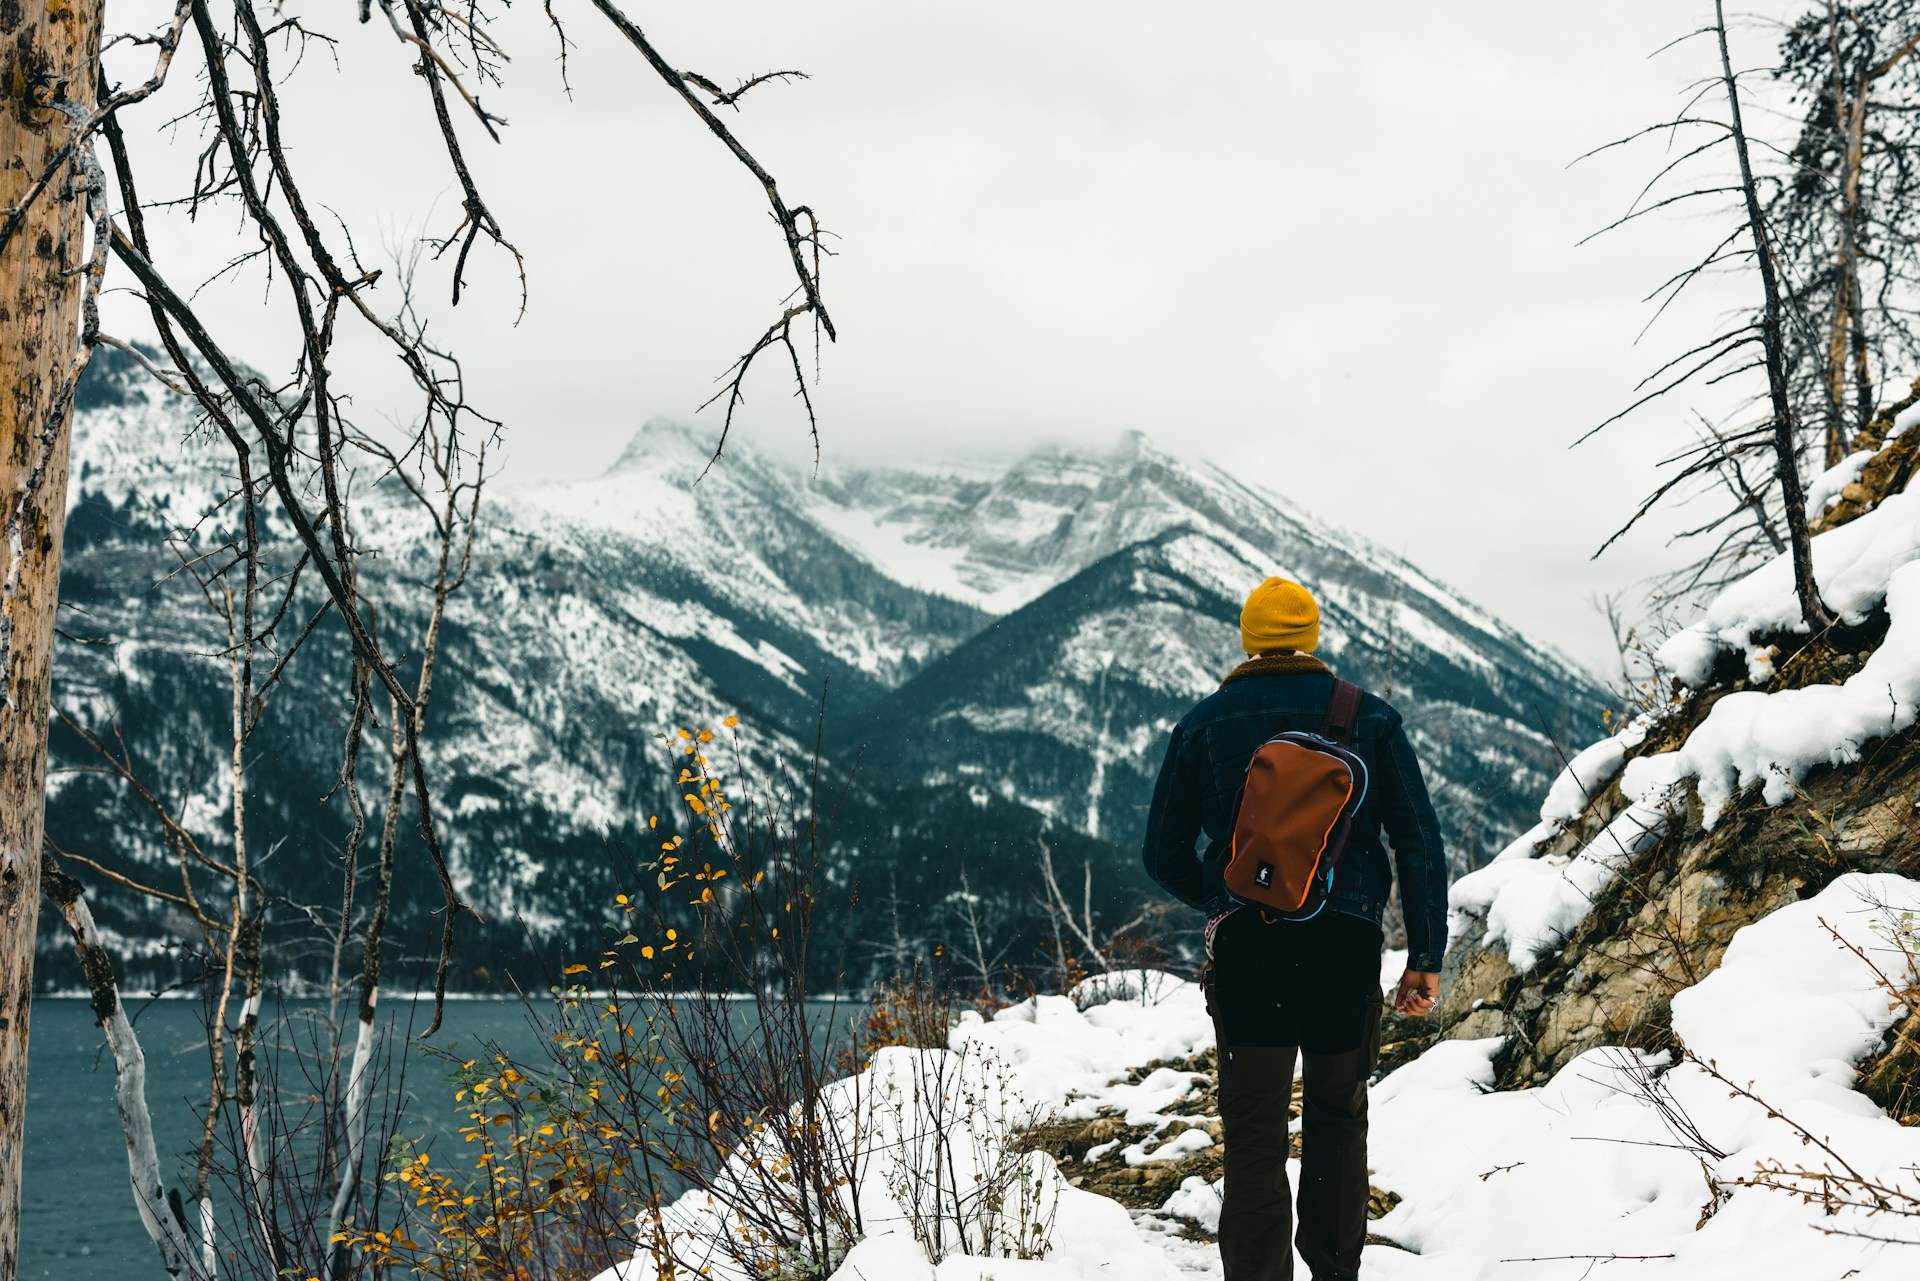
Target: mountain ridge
(604, 612)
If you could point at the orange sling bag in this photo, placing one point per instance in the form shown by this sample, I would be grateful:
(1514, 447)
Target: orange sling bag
(1293, 814)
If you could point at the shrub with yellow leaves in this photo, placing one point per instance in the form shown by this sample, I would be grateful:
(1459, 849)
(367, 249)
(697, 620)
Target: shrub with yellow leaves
(687, 1055)
(544, 1186)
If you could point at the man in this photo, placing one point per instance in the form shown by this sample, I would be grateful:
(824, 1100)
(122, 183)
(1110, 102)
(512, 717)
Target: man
(1310, 989)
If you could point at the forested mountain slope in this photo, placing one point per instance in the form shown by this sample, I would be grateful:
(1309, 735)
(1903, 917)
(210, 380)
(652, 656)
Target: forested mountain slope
(1010, 640)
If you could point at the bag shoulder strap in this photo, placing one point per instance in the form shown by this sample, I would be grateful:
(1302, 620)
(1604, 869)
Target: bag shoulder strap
(1342, 708)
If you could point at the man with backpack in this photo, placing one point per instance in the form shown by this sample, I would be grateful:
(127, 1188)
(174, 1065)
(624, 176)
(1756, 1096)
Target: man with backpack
(1293, 776)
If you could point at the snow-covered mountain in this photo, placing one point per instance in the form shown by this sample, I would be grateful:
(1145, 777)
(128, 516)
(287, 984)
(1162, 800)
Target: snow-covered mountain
(1015, 639)
(1679, 1020)
(1032, 630)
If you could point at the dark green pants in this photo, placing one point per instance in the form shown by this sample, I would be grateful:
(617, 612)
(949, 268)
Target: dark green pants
(1256, 1216)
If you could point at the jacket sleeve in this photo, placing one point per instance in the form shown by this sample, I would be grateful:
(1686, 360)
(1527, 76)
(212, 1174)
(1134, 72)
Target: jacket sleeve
(1173, 824)
(1419, 858)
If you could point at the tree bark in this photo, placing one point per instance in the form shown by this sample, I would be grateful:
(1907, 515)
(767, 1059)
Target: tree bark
(49, 53)
(1850, 123)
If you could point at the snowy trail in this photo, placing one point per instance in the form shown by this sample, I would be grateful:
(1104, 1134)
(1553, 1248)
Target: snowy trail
(1200, 1260)
(1539, 1184)
(1547, 1182)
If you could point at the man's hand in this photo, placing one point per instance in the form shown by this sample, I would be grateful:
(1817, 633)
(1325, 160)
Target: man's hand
(1419, 989)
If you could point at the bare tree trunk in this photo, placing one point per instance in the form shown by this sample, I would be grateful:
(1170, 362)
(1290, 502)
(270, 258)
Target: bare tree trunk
(150, 1195)
(49, 54)
(983, 963)
(407, 727)
(1850, 122)
(1840, 354)
(359, 1086)
(1083, 927)
(1786, 459)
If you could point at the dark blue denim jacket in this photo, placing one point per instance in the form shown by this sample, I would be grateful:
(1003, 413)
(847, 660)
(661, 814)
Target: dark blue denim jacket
(1207, 759)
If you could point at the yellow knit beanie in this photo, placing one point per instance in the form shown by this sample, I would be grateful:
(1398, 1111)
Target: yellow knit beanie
(1279, 615)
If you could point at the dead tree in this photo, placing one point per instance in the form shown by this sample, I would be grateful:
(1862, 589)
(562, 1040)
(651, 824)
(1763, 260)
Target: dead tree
(979, 959)
(251, 605)
(169, 1234)
(1843, 220)
(71, 197)
(1708, 146)
(1773, 345)
(1079, 925)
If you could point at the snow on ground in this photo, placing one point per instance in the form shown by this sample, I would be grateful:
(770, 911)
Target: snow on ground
(1530, 903)
(1906, 418)
(1536, 1183)
(1067, 1058)
(1038, 1058)
(1589, 772)
(1772, 740)
(1824, 492)
(1393, 963)
(1853, 564)
(1750, 739)
(1585, 1166)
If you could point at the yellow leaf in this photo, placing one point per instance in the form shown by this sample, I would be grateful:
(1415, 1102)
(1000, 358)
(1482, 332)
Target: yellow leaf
(575, 969)
(731, 721)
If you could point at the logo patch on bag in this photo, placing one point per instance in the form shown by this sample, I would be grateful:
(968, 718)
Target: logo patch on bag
(1264, 876)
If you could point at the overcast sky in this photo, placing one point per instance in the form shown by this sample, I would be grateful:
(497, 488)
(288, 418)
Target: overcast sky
(1330, 246)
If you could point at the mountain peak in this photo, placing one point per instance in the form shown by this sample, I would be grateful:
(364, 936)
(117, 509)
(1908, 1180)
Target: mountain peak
(1121, 450)
(667, 443)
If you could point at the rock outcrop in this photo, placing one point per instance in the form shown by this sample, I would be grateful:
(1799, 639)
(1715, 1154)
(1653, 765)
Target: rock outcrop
(1663, 922)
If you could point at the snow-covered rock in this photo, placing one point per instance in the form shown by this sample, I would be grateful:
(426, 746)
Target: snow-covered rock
(1588, 1166)
(1824, 490)
(1750, 740)
(1852, 563)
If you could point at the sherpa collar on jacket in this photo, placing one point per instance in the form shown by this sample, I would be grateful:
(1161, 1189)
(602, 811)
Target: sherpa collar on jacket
(1274, 665)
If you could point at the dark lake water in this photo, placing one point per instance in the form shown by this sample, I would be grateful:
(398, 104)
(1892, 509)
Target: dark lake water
(78, 1221)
